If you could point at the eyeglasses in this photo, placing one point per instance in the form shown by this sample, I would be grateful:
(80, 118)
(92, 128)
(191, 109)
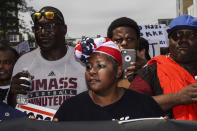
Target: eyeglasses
(178, 35)
(47, 27)
(48, 15)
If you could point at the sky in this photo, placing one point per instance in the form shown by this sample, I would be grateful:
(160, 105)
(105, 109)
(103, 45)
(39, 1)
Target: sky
(92, 17)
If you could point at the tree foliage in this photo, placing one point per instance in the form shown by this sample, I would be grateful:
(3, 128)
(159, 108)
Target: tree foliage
(21, 7)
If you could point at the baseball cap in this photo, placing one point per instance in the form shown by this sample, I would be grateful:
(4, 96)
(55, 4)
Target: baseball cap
(182, 22)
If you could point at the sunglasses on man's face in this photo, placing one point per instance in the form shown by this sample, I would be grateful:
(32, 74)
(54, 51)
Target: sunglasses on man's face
(48, 15)
(47, 27)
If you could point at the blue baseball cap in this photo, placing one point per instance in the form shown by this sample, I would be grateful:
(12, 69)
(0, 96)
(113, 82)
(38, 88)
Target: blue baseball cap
(182, 22)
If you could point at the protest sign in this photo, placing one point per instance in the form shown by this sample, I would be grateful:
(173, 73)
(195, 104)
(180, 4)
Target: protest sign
(155, 32)
(156, 36)
(154, 48)
(23, 47)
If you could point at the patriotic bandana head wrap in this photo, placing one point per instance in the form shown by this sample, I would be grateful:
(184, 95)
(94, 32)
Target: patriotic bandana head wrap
(87, 46)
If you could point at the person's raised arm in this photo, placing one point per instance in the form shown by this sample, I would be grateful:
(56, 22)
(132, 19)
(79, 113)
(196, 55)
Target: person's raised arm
(187, 95)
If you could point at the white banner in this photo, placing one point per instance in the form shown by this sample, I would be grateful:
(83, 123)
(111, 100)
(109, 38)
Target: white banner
(39, 112)
(155, 32)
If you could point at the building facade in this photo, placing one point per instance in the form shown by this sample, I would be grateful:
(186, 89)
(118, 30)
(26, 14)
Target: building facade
(192, 10)
(186, 7)
(9, 23)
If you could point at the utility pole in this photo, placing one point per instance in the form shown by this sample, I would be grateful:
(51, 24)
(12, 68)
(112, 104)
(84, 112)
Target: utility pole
(179, 7)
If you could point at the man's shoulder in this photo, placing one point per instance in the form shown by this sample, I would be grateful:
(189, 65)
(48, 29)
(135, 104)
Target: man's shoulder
(148, 70)
(25, 61)
(30, 54)
(72, 60)
(70, 50)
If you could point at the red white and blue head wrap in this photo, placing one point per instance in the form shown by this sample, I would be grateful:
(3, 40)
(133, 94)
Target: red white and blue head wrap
(87, 46)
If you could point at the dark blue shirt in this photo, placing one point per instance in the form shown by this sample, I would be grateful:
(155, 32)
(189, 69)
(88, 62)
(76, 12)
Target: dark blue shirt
(7, 112)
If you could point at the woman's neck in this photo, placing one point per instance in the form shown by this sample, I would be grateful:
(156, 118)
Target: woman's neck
(104, 100)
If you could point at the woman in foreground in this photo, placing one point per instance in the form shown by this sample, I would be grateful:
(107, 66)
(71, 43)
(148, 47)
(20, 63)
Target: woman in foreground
(104, 100)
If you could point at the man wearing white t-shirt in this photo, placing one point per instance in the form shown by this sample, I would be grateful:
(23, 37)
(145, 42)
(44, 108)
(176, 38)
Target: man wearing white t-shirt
(57, 76)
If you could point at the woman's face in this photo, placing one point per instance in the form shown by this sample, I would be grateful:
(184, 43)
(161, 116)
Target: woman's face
(100, 74)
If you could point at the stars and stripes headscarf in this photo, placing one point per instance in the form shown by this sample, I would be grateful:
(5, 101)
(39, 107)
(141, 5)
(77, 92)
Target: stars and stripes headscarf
(87, 46)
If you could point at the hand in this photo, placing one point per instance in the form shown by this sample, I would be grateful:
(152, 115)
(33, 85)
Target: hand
(166, 117)
(32, 117)
(55, 120)
(130, 71)
(188, 94)
(16, 87)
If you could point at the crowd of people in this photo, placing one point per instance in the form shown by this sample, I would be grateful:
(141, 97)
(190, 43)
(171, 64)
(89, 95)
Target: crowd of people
(86, 83)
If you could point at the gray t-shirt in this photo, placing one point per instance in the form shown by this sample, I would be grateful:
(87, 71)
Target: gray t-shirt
(54, 81)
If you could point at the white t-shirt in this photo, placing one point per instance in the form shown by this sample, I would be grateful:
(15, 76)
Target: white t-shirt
(54, 81)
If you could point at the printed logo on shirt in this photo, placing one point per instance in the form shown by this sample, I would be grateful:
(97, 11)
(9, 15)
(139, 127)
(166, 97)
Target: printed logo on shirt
(53, 91)
(122, 118)
(51, 73)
